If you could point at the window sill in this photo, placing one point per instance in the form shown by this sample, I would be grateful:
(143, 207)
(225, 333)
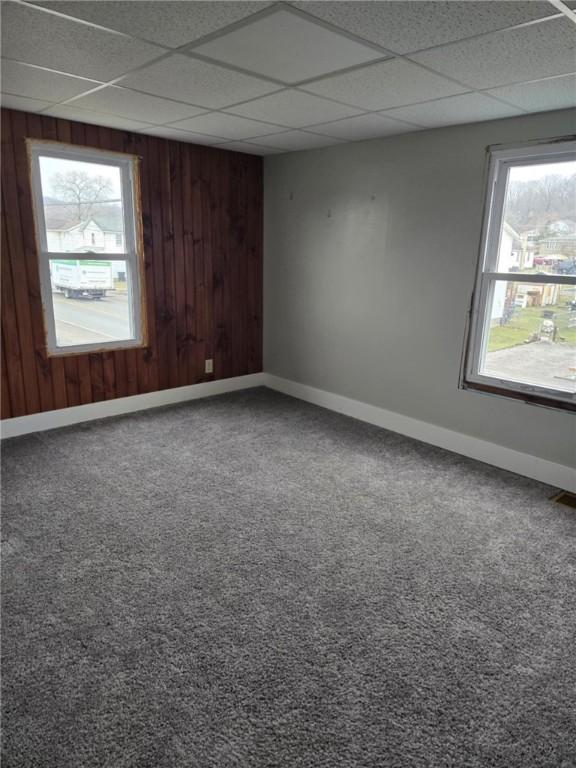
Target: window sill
(515, 394)
(121, 346)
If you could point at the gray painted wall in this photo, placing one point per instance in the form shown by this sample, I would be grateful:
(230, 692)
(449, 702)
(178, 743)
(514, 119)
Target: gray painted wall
(370, 257)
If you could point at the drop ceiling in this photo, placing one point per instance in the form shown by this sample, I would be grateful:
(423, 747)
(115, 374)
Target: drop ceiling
(265, 78)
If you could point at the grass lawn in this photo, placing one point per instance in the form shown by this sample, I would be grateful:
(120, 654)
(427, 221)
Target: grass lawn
(526, 321)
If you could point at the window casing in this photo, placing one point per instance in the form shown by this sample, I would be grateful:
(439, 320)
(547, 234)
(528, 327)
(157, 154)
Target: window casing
(91, 252)
(547, 277)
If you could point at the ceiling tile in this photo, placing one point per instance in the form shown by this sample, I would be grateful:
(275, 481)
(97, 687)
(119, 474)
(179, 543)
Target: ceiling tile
(35, 37)
(287, 47)
(42, 84)
(363, 127)
(168, 23)
(292, 140)
(26, 105)
(137, 106)
(528, 53)
(197, 82)
(387, 84)
(294, 109)
(251, 149)
(167, 132)
(410, 26)
(227, 126)
(467, 108)
(93, 118)
(542, 95)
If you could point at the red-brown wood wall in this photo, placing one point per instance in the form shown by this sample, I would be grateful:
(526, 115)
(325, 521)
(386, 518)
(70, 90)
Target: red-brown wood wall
(202, 222)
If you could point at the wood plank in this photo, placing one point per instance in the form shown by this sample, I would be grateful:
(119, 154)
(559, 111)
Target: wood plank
(10, 334)
(148, 363)
(97, 377)
(166, 181)
(5, 405)
(188, 234)
(182, 339)
(109, 374)
(15, 254)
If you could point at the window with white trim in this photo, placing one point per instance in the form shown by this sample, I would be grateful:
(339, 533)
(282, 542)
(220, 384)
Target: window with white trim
(522, 338)
(89, 247)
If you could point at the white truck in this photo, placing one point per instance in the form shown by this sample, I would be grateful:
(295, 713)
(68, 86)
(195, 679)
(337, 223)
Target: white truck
(81, 279)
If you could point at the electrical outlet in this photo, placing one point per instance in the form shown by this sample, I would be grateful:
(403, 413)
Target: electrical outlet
(209, 366)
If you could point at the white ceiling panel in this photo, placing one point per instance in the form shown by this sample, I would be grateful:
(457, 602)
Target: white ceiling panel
(136, 106)
(411, 26)
(294, 140)
(294, 109)
(35, 37)
(228, 126)
(167, 23)
(197, 82)
(527, 53)
(42, 84)
(467, 108)
(167, 132)
(250, 149)
(555, 93)
(20, 102)
(94, 118)
(284, 46)
(387, 84)
(363, 127)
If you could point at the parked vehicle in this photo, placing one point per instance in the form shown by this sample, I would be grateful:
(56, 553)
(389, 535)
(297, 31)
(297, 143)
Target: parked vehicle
(81, 279)
(567, 268)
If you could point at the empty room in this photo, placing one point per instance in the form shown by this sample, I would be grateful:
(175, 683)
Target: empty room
(288, 406)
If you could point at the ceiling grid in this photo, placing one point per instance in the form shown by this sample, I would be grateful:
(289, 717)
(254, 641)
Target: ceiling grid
(264, 77)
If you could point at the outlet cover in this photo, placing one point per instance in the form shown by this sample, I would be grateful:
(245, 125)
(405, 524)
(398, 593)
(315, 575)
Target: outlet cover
(209, 366)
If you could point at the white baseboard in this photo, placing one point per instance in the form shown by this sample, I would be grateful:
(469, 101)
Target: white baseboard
(557, 475)
(38, 422)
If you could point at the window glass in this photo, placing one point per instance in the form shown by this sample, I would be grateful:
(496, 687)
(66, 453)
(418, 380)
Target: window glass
(82, 202)
(538, 233)
(523, 330)
(91, 302)
(90, 260)
(532, 334)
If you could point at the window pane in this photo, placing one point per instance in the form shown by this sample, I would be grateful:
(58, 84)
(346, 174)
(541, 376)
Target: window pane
(82, 206)
(539, 223)
(532, 334)
(91, 301)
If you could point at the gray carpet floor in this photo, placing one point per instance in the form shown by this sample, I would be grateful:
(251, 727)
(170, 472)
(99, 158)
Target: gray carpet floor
(252, 581)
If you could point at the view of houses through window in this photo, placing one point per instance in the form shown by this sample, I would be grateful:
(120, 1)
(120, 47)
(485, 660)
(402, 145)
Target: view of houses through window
(531, 333)
(84, 239)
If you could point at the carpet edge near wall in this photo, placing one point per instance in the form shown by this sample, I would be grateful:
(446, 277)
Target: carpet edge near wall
(553, 474)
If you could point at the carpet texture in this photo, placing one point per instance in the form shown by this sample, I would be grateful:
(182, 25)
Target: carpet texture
(255, 582)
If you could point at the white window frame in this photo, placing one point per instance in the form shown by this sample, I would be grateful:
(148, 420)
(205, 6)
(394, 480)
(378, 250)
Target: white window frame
(133, 243)
(500, 161)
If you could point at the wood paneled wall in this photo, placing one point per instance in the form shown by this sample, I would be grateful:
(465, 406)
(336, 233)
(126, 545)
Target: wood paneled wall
(202, 221)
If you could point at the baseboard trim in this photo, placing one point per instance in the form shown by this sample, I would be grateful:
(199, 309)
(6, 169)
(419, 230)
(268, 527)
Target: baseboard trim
(556, 475)
(39, 422)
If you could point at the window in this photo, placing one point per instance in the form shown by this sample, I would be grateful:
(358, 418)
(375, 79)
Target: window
(85, 209)
(522, 340)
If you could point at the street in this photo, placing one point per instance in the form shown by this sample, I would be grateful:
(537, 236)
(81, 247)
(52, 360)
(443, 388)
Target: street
(84, 321)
